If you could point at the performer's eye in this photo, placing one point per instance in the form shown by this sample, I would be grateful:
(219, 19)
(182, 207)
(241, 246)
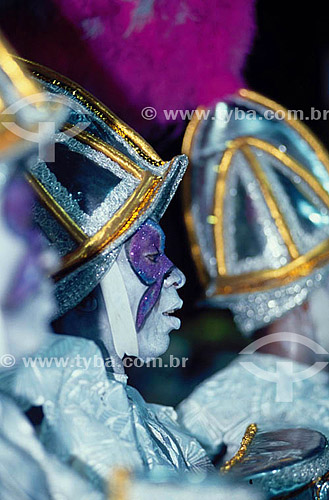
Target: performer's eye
(153, 257)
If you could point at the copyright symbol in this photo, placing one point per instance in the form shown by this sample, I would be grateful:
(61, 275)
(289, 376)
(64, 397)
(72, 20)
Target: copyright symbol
(7, 360)
(149, 113)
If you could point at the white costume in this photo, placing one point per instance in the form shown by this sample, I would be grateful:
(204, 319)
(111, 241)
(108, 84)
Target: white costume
(101, 200)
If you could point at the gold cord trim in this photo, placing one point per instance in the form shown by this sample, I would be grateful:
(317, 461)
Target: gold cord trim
(58, 212)
(108, 150)
(300, 127)
(301, 265)
(191, 129)
(187, 145)
(271, 202)
(246, 441)
(290, 163)
(255, 281)
(134, 206)
(118, 225)
(90, 102)
(219, 209)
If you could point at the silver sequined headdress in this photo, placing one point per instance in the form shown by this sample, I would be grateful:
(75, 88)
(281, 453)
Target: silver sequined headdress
(104, 182)
(256, 208)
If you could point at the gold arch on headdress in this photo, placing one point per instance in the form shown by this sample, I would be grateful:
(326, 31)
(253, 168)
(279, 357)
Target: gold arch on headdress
(188, 142)
(297, 125)
(300, 265)
(98, 108)
(244, 145)
(149, 185)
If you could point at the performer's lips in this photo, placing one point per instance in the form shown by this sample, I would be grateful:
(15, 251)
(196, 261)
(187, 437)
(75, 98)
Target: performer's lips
(168, 313)
(175, 308)
(175, 322)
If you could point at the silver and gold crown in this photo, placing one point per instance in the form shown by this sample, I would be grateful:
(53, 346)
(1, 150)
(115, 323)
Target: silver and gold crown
(103, 183)
(256, 208)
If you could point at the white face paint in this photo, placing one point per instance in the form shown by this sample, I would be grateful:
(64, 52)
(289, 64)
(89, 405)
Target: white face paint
(153, 338)
(140, 296)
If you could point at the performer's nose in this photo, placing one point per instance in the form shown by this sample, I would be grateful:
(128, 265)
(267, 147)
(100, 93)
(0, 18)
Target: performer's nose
(175, 278)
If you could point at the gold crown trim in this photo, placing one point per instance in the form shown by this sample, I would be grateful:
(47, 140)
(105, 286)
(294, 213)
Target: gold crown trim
(247, 439)
(108, 150)
(122, 220)
(142, 148)
(302, 129)
(187, 146)
(267, 279)
(301, 265)
(135, 205)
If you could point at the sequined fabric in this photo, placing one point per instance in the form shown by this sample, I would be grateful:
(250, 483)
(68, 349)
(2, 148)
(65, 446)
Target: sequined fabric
(220, 409)
(256, 203)
(97, 422)
(90, 187)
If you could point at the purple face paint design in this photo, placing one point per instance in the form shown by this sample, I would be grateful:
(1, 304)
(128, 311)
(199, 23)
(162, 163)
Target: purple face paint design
(145, 252)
